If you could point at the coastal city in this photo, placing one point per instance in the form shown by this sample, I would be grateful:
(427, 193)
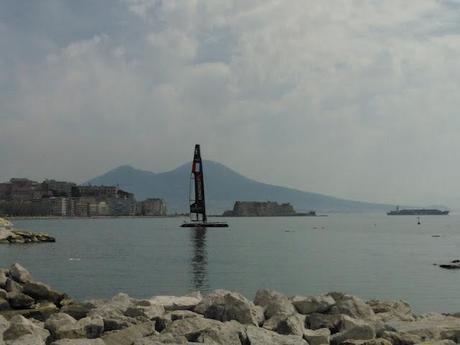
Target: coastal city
(51, 198)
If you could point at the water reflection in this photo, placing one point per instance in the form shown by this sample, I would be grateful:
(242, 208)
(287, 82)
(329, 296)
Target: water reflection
(199, 260)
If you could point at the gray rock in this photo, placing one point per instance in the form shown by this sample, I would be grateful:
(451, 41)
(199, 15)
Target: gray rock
(439, 342)
(160, 339)
(227, 333)
(12, 286)
(3, 277)
(20, 326)
(225, 305)
(18, 300)
(260, 336)
(77, 310)
(401, 338)
(4, 305)
(92, 327)
(183, 314)
(392, 310)
(286, 324)
(188, 302)
(112, 312)
(273, 303)
(308, 305)
(61, 326)
(4, 325)
(40, 291)
(79, 342)
(20, 274)
(191, 327)
(27, 339)
(331, 322)
(351, 306)
(360, 332)
(378, 341)
(317, 337)
(150, 311)
(129, 335)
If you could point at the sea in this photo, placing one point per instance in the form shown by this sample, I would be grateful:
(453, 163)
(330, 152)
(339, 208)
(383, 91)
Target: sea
(368, 255)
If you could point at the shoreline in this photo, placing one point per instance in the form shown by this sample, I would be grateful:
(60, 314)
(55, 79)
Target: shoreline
(31, 312)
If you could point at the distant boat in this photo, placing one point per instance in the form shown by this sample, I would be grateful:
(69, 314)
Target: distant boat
(417, 212)
(197, 202)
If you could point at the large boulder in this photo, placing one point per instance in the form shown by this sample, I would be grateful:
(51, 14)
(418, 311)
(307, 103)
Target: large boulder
(260, 336)
(160, 339)
(59, 324)
(401, 338)
(225, 305)
(4, 305)
(27, 339)
(129, 335)
(3, 277)
(188, 302)
(318, 321)
(377, 341)
(351, 306)
(286, 324)
(20, 326)
(64, 326)
(359, 332)
(40, 291)
(191, 328)
(392, 310)
(317, 337)
(273, 303)
(77, 310)
(227, 333)
(12, 286)
(308, 305)
(18, 300)
(79, 342)
(20, 274)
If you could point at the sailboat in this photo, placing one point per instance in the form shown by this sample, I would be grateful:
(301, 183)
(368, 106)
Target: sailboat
(197, 202)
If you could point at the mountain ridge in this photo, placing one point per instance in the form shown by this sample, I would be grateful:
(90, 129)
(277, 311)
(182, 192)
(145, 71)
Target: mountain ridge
(223, 187)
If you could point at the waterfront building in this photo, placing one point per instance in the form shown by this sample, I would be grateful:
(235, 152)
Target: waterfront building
(151, 207)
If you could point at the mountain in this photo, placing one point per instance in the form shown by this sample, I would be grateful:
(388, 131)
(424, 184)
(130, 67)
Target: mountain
(223, 186)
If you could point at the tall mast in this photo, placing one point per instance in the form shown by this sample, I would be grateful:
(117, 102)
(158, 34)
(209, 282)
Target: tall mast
(198, 206)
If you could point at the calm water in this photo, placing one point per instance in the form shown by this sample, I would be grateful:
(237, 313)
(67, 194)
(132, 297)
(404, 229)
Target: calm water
(373, 256)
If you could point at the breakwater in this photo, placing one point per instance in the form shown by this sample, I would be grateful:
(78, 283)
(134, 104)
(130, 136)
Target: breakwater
(31, 312)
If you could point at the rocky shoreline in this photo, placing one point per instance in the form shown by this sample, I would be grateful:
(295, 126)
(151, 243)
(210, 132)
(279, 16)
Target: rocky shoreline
(8, 236)
(31, 313)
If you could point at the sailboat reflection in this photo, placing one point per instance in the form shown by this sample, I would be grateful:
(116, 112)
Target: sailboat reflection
(199, 262)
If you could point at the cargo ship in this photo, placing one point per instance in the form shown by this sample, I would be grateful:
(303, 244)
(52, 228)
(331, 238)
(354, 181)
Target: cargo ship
(417, 212)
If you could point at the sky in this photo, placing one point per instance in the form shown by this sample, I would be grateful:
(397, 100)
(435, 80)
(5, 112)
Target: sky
(352, 98)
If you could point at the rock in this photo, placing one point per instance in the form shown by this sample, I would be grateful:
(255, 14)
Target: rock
(317, 321)
(378, 341)
(20, 326)
(401, 338)
(260, 336)
(149, 311)
(439, 342)
(4, 305)
(286, 324)
(317, 337)
(191, 327)
(92, 327)
(61, 326)
(40, 291)
(77, 310)
(392, 310)
(183, 314)
(20, 274)
(112, 312)
(12, 286)
(273, 303)
(4, 325)
(129, 335)
(228, 333)
(308, 305)
(3, 277)
(19, 300)
(27, 339)
(225, 305)
(79, 342)
(188, 302)
(359, 332)
(351, 306)
(160, 339)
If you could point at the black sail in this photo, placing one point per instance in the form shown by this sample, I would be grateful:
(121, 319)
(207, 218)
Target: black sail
(197, 205)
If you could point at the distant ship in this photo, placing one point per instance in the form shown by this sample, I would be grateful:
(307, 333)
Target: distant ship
(417, 212)
(198, 218)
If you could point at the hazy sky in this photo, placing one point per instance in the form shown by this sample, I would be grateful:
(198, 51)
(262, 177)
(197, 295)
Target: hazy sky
(352, 98)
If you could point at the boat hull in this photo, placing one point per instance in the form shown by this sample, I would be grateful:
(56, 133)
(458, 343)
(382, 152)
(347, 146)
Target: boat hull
(205, 225)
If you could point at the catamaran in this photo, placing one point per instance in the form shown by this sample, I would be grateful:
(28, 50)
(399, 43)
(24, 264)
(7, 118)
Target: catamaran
(197, 203)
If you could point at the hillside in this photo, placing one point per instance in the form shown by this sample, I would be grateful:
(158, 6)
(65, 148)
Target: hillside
(223, 187)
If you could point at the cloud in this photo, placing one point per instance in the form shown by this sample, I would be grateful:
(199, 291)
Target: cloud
(351, 98)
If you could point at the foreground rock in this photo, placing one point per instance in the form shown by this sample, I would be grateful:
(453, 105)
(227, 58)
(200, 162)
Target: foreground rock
(32, 313)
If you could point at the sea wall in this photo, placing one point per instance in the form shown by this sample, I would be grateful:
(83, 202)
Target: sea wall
(260, 209)
(31, 313)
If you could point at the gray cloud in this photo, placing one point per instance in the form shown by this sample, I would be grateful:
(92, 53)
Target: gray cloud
(356, 99)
